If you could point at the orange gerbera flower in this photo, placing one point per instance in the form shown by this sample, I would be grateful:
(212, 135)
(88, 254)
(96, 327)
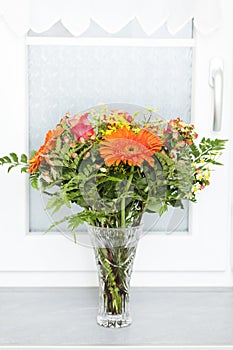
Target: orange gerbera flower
(125, 146)
(49, 144)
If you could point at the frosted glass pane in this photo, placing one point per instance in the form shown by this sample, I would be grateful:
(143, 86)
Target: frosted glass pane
(73, 78)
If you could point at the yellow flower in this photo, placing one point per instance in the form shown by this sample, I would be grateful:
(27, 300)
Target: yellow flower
(199, 177)
(108, 132)
(206, 174)
(196, 188)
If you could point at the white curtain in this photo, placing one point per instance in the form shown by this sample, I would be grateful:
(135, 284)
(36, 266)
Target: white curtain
(111, 15)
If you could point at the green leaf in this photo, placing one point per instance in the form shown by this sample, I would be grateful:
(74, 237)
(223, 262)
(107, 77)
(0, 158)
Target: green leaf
(10, 167)
(24, 169)
(7, 159)
(32, 154)
(163, 209)
(108, 178)
(75, 237)
(153, 205)
(215, 163)
(76, 220)
(51, 227)
(56, 201)
(58, 144)
(24, 158)
(195, 150)
(34, 181)
(14, 157)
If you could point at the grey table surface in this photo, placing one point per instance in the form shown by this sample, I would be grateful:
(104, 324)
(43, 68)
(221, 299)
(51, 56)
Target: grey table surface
(161, 316)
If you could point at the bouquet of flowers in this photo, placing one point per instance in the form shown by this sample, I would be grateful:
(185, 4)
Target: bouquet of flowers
(117, 166)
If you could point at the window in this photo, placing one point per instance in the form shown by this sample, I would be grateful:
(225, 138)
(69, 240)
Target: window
(72, 74)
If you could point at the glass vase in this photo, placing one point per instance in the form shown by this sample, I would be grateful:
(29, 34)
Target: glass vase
(115, 249)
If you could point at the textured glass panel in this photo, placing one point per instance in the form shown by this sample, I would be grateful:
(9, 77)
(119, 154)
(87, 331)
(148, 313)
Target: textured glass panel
(73, 78)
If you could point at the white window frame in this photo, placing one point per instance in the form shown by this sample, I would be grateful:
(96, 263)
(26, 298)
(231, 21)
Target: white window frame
(112, 42)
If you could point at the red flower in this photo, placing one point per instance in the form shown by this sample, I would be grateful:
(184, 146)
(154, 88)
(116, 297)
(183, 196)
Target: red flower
(81, 127)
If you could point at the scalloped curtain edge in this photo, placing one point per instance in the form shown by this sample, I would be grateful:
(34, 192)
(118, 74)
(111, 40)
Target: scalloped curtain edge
(75, 15)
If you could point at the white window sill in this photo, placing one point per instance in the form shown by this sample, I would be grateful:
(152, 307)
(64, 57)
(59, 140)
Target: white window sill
(163, 318)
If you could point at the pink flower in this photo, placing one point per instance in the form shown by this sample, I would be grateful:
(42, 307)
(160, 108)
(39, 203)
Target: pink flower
(81, 127)
(126, 116)
(168, 130)
(123, 114)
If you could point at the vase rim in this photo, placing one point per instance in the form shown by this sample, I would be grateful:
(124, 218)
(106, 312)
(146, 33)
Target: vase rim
(116, 228)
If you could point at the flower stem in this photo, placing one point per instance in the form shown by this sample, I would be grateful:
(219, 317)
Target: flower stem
(123, 199)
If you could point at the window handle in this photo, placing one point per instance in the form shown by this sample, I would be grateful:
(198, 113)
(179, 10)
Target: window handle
(216, 82)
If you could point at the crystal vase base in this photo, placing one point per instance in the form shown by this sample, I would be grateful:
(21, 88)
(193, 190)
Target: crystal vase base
(113, 321)
(115, 249)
